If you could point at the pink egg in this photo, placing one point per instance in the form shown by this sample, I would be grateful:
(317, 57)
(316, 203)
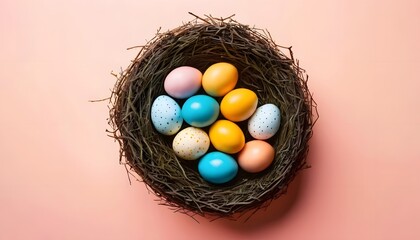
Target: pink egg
(183, 82)
(256, 156)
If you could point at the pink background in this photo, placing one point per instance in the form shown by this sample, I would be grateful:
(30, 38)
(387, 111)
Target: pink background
(59, 173)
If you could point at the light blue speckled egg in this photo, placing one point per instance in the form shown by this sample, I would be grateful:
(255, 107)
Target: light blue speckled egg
(217, 167)
(166, 115)
(265, 122)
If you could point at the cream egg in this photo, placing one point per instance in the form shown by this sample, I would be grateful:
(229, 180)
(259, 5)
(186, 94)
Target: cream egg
(191, 143)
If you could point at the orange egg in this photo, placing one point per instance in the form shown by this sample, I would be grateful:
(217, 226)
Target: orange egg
(239, 104)
(256, 156)
(219, 79)
(226, 136)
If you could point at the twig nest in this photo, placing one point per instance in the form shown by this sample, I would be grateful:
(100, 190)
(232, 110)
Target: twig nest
(257, 66)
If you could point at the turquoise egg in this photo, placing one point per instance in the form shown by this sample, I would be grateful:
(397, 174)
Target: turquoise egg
(217, 167)
(200, 110)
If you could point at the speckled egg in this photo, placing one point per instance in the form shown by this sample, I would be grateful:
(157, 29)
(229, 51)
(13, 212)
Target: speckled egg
(265, 122)
(191, 143)
(166, 115)
(217, 167)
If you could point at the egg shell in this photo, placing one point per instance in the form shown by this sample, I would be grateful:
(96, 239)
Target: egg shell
(191, 143)
(166, 115)
(226, 136)
(256, 156)
(265, 122)
(239, 104)
(217, 167)
(183, 82)
(219, 79)
(200, 110)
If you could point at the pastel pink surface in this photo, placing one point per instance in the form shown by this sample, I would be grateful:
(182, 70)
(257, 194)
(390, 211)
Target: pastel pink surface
(59, 173)
(183, 82)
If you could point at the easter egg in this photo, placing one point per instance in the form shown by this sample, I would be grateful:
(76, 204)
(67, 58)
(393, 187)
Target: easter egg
(239, 104)
(256, 156)
(200, 110)
(191, 143)
(219, 79)
(166, 115)
(183, 82)
(217, 167)
(265, 122)
(226, 136)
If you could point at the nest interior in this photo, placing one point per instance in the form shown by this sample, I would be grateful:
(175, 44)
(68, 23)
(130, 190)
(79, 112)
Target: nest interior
(263, 67)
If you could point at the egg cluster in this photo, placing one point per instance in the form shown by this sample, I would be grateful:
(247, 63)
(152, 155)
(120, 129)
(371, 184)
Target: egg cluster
(200, 111)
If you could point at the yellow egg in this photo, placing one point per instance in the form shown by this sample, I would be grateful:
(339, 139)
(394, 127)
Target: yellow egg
(226, 136)
(219, 79)
(239, 104)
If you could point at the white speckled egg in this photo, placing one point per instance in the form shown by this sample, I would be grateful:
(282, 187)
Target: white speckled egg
(191, 143)
(265, 122)
(166, 115)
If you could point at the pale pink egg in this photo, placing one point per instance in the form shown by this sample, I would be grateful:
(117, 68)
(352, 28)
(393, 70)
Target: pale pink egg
(183, 82)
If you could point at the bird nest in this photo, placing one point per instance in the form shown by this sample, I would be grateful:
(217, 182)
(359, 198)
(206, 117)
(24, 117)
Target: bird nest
(263, 68)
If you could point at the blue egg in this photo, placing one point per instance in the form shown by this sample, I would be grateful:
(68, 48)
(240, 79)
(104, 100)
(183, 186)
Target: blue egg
(166, 115)
(217, 167)
(200, 110)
